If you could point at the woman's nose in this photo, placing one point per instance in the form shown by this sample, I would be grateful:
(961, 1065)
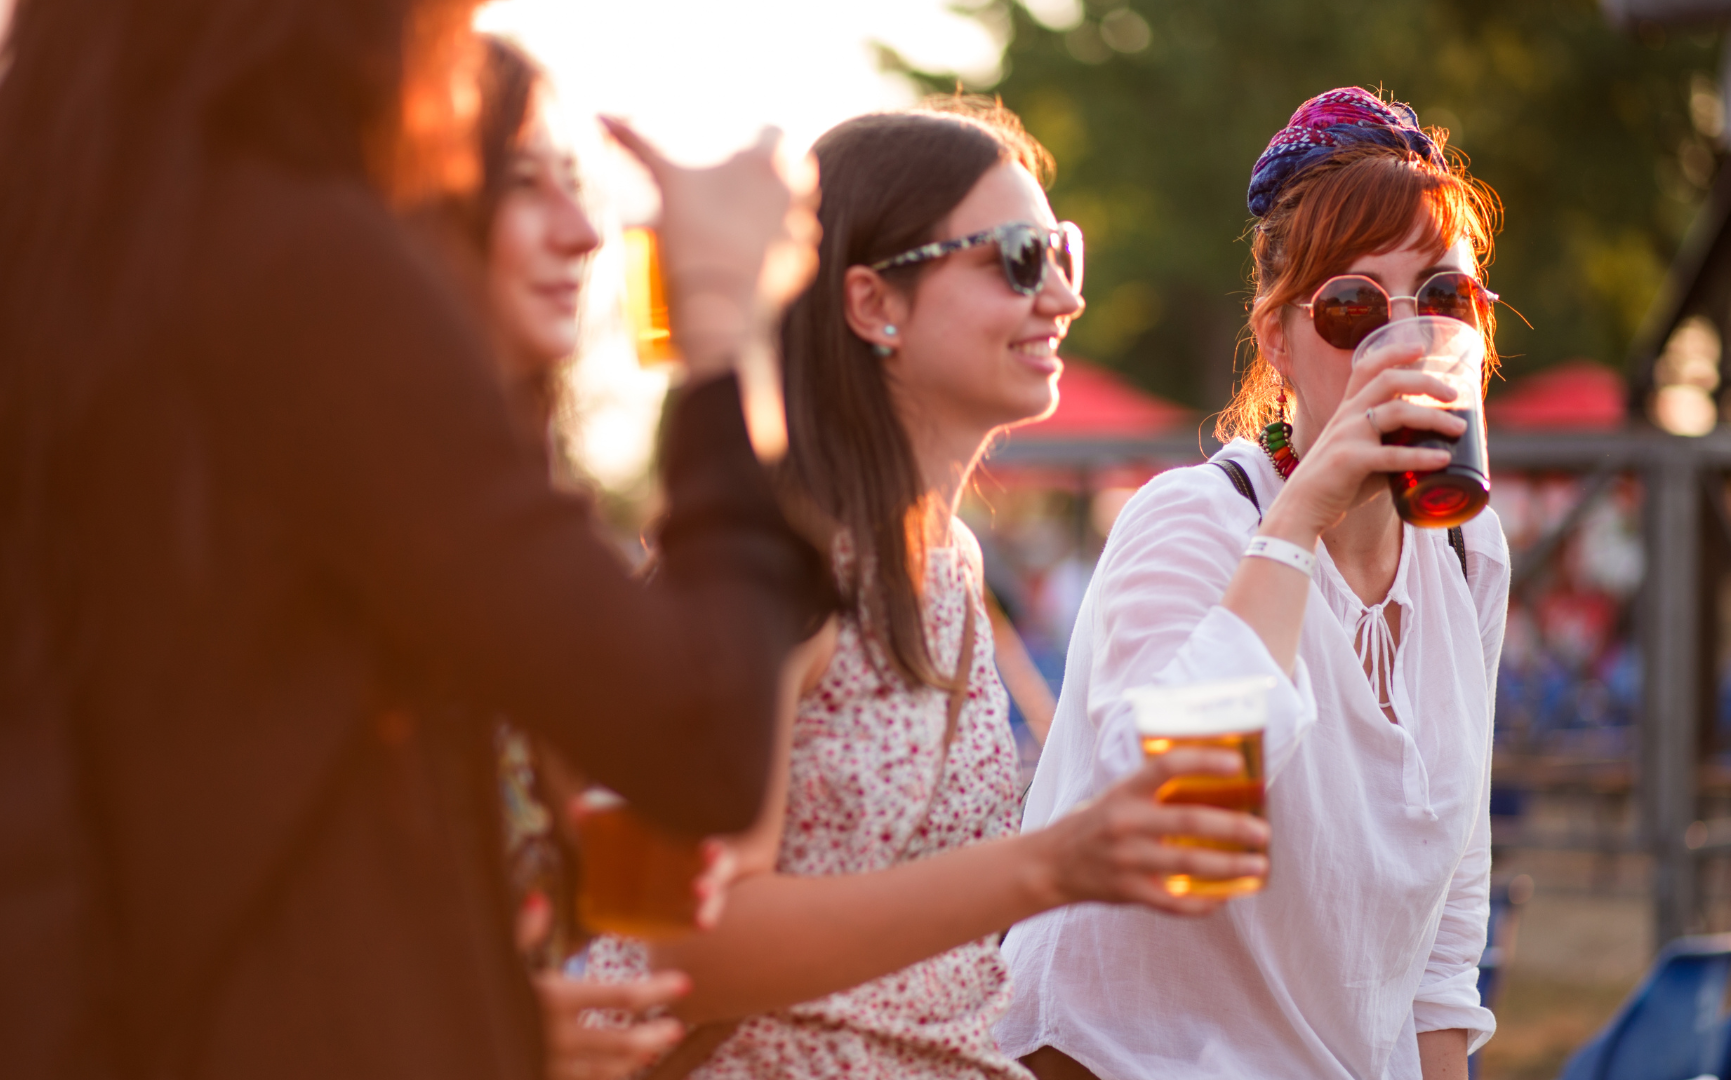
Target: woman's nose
(1402, 307)
(1057, 298)
(570, 231)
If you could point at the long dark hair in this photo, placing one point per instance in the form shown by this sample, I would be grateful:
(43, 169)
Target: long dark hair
(111, 112)
(889, 180)
(509, 81)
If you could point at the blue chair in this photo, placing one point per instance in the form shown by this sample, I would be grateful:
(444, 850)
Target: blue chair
(1673, 1026)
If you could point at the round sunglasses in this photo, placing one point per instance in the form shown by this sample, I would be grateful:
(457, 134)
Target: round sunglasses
(1022, 252)
(1347, 308)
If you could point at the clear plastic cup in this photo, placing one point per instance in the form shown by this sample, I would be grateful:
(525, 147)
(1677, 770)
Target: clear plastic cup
(1454, 352)
(1229, 714)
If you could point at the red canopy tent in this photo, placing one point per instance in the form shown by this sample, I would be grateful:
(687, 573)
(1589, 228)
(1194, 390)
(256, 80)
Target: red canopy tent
(1095, 403)
(1576, 394)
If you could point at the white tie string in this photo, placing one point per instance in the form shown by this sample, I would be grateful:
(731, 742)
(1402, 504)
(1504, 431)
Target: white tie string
(1373, 641)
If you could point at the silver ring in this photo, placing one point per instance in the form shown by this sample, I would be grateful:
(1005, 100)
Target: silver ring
(1370, 418)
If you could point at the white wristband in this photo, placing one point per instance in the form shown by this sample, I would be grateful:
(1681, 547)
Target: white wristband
(1284, 552)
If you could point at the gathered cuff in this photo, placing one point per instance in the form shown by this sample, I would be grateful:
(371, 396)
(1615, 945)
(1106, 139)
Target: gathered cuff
(1454, 1003)
(1223, 646)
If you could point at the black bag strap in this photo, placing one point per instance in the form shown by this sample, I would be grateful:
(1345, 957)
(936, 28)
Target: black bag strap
(1458, 541)
(1241, 480)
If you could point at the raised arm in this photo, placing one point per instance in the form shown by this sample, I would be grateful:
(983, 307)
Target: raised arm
(360, 400)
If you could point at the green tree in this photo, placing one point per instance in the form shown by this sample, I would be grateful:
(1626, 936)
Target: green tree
(1599, 144)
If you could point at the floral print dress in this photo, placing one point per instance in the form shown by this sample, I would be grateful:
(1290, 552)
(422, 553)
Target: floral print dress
(866, 755)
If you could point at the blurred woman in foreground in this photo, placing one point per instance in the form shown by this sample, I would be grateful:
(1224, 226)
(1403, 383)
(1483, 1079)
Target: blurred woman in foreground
(524, 238)
(861, 937)
(1359, 958)
(264, 519)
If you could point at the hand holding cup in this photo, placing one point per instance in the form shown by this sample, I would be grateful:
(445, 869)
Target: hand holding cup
(738, 241)
(1118, 847)
(1340, 468)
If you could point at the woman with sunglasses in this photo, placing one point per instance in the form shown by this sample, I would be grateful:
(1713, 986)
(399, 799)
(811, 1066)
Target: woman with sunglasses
(1358, 958)
(861, 936)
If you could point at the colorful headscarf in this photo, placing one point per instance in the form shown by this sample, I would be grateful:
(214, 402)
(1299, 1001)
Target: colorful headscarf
(1328, 121)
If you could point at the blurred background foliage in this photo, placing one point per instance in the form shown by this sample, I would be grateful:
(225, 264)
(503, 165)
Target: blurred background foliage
(1601, 145)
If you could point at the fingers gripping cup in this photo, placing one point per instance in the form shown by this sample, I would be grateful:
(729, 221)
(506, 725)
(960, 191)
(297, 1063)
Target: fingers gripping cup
(1454, 352)
(1228, 715)
(637, 879)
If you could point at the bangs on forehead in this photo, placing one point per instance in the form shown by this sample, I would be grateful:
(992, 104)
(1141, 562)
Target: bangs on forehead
(1370, 207)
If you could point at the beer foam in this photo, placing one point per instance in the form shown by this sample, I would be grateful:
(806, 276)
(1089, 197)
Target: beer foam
(1222, 707)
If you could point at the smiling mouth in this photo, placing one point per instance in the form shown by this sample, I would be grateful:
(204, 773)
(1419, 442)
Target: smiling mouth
(562, 294)
(1043, 348)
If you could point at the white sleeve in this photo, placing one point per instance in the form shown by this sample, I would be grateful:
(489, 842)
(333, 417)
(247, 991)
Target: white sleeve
(1488, 580)
(1448, 992)
(1157, 618)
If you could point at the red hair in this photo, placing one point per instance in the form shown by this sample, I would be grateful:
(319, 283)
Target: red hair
(1364, 200)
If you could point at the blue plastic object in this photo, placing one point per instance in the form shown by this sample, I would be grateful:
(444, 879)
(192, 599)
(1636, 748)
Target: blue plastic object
(1673, 1026)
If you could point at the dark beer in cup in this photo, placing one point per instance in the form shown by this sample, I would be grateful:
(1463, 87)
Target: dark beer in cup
(1454, 352)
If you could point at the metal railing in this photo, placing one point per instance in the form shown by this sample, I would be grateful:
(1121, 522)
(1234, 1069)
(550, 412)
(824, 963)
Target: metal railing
(1686, 528)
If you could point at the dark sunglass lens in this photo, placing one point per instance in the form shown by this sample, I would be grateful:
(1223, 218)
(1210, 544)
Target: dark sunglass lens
(1453, 296)
(1347, 309)
(1024, 253)
(1070, 255)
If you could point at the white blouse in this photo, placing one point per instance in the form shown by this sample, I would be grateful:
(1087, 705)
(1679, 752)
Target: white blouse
(1371, 925)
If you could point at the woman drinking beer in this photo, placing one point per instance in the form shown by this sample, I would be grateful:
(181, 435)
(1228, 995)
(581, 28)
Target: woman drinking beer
(1359, 956)
(521, 239)
(862, 937)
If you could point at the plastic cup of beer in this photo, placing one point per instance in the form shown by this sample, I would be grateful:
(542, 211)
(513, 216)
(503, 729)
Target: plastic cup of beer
(646, 298)
(1454, 352)
(637, 878)
(1229, 714)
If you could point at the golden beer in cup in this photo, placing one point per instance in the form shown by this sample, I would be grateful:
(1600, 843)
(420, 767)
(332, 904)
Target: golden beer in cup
(1228, 715)
(646, 298)
(637, 879)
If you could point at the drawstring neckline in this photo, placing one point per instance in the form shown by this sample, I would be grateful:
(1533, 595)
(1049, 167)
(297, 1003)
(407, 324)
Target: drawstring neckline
(1373, 641)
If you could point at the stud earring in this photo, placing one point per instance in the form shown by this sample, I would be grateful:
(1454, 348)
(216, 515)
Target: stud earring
(883, 351)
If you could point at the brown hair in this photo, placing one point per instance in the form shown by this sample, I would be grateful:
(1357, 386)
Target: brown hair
(1364, 199)
(509, 81)
(889, 181)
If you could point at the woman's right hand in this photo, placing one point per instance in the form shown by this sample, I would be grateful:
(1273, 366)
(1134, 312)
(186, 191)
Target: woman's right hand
(1114, 848)
(738, 243)
(578, 1051)
(1330, 479)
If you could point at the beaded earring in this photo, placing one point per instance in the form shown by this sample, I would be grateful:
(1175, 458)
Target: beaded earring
(1277, 439)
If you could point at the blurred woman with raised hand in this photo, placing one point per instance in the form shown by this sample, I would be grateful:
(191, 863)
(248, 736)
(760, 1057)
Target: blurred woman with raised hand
(522, 239)
(264, 518)
(861, 936)
(1359, 958)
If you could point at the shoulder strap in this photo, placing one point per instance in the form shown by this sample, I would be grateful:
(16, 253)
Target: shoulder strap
(1240, 480)
(702, 1042)
(1458, 541)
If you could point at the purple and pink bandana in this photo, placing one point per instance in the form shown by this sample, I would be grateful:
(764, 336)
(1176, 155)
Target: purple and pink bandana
(1327, 121)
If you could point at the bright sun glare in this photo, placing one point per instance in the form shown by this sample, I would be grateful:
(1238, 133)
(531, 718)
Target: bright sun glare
(700, 78)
